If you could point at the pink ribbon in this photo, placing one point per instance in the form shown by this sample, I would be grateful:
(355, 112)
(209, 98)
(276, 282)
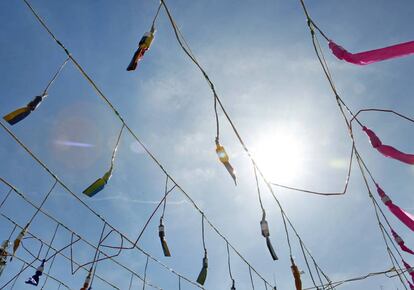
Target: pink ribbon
(386, 150)
(372, 56)
(402, 215)
(401, 243)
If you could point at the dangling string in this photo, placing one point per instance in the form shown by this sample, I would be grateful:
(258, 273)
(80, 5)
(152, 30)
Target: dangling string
(187, 51)
(229, 263)
(319, 275)
(145, 274)
(165, 198)
(100, 183)
(251, 277)
(161, 227)
(202, 234)
(155, 17)
(202, 276)
(258, 190)
(118, 140)
(55, 76)
(179, 282)
(263, 223)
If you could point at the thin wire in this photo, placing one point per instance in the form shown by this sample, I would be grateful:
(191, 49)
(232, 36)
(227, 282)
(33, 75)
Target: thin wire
(155, 17)
(202, 234)
(145, 274)
(307, 264)
(165, 198)
(12, 232)
(359, 278)
(258, 190)
(348, 176)
(48, 272)
(251, 278)
(52, 240)
(94, 271)
(55, 76)
(47, 253)
(187, 51)
(229, 261)
(319, 276)
(7, 196)
(130, 282)
(118, 140)
(43, 202)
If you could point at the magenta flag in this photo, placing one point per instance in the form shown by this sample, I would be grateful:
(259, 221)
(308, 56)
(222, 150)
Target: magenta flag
(410, 269)
(401, 243)
(386, 150)
(402, 215)
(411, 285)
(372, 56)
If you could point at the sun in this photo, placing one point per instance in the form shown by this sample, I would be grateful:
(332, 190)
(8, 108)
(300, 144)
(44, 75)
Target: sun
(280, 156)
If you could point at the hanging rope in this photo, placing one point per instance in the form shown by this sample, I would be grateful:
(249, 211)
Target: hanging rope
(161, 227)
(155, 17)
(233, 287)
(55, 76)
(201, 279)
(100, 183)
(21, 113)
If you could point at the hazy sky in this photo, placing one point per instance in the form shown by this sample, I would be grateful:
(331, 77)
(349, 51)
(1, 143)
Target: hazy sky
(260, 57)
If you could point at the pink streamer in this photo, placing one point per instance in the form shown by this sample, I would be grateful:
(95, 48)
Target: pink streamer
(386, 150)
(411, 285)
(401, 243)
(410, 270)
(376, 55)
(402, 215)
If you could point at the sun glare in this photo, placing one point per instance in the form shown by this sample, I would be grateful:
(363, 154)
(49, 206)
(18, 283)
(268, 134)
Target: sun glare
(280, 156)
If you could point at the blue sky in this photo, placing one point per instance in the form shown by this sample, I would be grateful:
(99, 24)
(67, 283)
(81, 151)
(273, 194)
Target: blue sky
(259, 55)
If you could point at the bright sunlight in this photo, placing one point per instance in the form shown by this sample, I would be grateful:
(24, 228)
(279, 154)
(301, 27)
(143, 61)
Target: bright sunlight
(280, 155)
